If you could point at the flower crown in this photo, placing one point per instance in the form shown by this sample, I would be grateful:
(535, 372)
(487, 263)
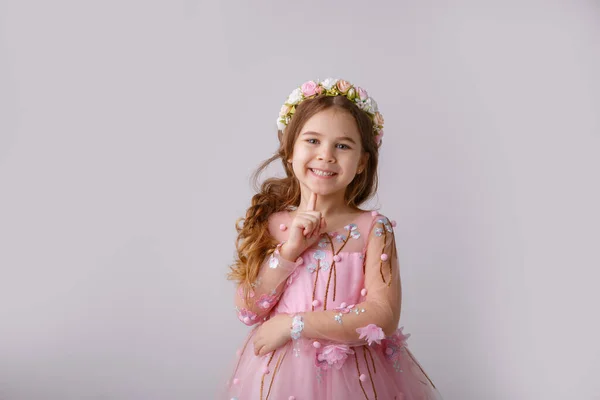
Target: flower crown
(332, 87)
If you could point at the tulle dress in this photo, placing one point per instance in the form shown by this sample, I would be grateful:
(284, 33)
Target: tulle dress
(347, 287)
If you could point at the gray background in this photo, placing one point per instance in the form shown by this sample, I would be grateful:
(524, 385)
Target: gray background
(128, 130)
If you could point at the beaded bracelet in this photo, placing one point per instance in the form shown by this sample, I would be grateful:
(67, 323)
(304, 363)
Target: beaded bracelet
(297, 327)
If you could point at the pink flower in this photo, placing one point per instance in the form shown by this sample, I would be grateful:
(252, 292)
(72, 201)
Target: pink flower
(246, 316)
(319, 90)
(309, 88)
(266, 301)
(393, 344)
(285, 109)
(343, 86)
(333, 355)
(362, 93)
(378, 138)
(345, 309)
(399, 337)
(378, 119)
(372, 333)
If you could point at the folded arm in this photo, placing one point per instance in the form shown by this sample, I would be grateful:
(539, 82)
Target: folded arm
(379, 312)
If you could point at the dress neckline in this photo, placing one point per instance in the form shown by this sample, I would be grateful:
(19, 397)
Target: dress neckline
(352, 221)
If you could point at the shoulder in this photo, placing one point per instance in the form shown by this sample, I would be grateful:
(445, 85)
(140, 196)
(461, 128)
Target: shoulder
(378, 223)
(379, 230)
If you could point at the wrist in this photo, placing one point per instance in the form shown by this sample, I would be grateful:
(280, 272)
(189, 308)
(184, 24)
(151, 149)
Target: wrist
(288, 253)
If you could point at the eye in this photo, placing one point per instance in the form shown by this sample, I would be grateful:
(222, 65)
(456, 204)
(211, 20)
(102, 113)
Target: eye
(312, 141)
(343, 146)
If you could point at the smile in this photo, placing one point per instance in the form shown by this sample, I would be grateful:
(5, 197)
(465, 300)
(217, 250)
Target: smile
(322, 174)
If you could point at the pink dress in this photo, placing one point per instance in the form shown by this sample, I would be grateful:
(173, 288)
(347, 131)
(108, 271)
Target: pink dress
(349, 282)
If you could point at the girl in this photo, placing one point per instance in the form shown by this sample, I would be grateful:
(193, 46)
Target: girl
(317, 275)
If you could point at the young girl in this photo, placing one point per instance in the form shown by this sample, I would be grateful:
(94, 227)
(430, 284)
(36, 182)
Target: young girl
(317, 276)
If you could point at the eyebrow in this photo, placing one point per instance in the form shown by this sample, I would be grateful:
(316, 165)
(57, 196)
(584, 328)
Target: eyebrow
(348, 138)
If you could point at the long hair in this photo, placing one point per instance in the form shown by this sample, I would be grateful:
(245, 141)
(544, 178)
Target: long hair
(254, 242)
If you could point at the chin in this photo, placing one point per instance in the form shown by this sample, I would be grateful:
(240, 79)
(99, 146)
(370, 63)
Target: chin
(324, 191)
(321, 192)
(322, 188)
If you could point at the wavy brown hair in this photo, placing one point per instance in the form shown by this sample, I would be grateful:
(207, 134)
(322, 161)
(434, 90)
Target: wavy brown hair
(275, 194)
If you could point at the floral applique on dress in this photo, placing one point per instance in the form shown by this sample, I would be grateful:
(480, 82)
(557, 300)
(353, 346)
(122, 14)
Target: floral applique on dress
(393, 345)
(266, 301)
(353, 229)
(386, 225)
(333, 355)
(246, 316)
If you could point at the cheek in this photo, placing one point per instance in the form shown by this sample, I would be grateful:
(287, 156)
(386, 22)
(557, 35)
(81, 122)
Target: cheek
(298, 161)
(301, 155)
(350, 161)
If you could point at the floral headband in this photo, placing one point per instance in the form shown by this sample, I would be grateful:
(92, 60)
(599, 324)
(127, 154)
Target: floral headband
(332, 87)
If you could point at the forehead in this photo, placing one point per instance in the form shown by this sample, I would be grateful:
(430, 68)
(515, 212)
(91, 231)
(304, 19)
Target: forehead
(333, 122)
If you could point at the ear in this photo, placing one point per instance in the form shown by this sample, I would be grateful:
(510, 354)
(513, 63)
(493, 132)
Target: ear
(362, 164)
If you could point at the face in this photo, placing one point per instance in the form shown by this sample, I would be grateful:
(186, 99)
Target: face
(328, 152)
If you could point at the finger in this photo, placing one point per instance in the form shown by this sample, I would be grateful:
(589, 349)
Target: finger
(311, 231)
(320, 227)
(314, 225)
(266, 349)
(262, 351)
(257, 347)
(312, 202)
(308, 224)
(302, 219)
(317, 231)
(323, 223)
(318, 224)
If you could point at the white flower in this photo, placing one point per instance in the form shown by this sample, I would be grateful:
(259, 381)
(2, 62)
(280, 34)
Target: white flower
(295, 97)
(280, 125)
(273, 262)
(368, 106)
(329, 83)
(374, 105)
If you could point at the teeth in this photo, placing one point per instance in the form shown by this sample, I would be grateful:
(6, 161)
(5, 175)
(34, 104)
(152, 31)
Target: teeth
(322, 173)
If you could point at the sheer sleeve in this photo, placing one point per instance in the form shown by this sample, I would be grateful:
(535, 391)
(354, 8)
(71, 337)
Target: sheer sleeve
(378, 314)
(265, 292)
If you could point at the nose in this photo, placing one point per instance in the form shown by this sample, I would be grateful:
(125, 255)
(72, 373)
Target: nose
(326, 155)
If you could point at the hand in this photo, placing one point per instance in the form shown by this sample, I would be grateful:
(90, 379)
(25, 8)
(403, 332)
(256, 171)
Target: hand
(272, 334)
(305, 230)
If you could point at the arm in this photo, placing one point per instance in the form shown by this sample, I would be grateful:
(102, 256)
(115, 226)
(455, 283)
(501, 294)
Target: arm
(381, 305)
(267, 289)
